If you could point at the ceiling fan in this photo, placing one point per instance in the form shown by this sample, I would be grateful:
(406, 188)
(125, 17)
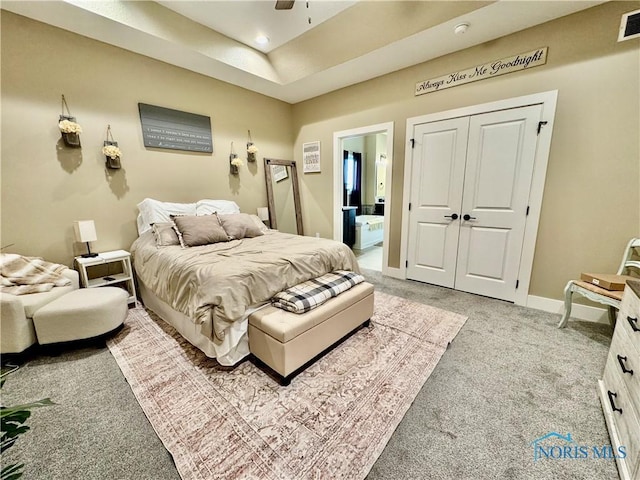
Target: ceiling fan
(284, 4)
(288, 5)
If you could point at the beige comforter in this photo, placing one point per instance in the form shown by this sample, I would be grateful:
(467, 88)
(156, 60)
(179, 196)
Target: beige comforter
(214, 284)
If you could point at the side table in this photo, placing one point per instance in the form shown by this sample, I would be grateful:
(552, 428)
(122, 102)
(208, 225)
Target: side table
(85, 264)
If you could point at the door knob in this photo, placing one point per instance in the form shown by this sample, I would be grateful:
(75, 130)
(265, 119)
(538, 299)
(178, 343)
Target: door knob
(452, 217)
(466, 216)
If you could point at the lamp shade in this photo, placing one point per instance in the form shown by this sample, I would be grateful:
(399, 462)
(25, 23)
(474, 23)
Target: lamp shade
(263, 213)
(85, 231)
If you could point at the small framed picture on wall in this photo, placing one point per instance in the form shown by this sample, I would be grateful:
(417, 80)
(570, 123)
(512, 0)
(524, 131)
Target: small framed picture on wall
(311, 157)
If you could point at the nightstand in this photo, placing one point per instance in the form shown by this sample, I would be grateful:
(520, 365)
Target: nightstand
(87, 265)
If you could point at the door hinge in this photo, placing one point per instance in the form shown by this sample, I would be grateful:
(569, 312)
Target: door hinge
(540, 125)
(517, 284)
(413, 142)
(406, 264)
(527, 210)
(409, 206)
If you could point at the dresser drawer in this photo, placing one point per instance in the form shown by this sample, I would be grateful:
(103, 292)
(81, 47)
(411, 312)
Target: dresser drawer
(618, 407)
(624, 359)
(630, 300)
(628, 317)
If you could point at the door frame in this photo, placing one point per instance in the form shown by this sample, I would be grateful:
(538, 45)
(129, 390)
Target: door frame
(338, 137)
(548, 100)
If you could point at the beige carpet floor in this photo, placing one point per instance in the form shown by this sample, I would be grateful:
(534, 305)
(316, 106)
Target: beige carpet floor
(333, 421)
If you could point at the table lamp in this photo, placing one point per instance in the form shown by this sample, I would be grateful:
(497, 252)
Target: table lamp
(85, 231)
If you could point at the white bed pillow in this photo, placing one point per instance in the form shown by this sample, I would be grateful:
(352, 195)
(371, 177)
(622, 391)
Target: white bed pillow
(222, 207)
(140, 225)
(155, 211)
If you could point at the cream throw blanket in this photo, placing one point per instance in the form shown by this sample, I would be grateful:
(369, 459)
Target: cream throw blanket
(23, 275)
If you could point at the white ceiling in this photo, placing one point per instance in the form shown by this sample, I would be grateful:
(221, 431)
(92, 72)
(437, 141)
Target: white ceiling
(347, 42)
(244, 20)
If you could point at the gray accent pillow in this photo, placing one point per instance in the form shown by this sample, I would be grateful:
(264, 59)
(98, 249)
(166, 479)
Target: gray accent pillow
(199, 229)
(240, 225)
(165, 234)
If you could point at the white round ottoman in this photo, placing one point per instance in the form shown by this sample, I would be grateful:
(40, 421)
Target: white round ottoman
(80, 314)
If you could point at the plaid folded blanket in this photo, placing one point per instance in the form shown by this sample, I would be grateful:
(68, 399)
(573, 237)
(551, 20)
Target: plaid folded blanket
(23, 275)
(310, 294)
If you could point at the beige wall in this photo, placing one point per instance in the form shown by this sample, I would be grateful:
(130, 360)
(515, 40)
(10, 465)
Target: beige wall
(591, 204)
(45, 186)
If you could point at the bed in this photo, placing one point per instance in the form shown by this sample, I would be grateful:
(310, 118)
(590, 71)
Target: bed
(208, 291)
(369, 231)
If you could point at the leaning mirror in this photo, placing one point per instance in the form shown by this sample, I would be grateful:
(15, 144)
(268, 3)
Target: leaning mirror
(283, 195)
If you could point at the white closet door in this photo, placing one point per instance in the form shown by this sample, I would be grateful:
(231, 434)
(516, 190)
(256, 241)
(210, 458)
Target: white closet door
(499, 167)
(436, 194)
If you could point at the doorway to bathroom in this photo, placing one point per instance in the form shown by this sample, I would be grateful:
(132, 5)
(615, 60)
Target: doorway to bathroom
(362, 192)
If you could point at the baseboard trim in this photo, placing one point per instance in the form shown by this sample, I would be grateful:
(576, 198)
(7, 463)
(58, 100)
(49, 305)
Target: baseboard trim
(581, 312)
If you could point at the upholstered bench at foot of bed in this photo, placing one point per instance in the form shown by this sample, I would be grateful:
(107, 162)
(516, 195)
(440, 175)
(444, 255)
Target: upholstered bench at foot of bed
(81, 314)
(286, 341)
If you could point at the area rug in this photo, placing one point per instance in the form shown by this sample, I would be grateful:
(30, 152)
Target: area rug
(332, 421)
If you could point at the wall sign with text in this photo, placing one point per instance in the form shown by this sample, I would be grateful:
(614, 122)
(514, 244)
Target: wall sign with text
(496, 68)
(311, 157)
(175, 130)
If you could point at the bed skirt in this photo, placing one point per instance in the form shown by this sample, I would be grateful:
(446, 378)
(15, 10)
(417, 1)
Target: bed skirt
(192, 332)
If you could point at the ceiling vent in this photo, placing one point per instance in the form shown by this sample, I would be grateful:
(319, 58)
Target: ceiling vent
(629, 26)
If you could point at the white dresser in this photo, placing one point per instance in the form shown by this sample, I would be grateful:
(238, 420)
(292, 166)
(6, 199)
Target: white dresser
(620, 384)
